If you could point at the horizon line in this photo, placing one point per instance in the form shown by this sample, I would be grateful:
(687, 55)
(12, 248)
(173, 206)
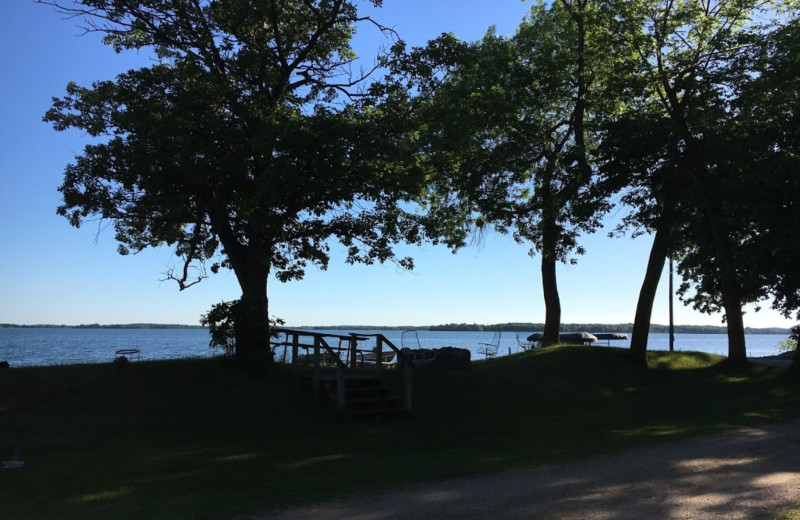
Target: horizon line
(363, 327)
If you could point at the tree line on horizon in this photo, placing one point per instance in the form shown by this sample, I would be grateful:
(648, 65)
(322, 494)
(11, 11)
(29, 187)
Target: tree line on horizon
(102, 326)
(254, 141)
(598, 327)
(454, 327)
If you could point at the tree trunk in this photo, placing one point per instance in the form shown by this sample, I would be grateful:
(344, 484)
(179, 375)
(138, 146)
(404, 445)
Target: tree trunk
(647, 294)
(251, 263)
(552, 303)
(731, 294)
(737, 350)
(729, 283)
(251, 324)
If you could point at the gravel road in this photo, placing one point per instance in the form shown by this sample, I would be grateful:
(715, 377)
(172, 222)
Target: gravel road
(752, 473)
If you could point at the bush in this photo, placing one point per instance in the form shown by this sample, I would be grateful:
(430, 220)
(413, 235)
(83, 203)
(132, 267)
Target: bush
(221, 323)
(790, 343)
(787, 345)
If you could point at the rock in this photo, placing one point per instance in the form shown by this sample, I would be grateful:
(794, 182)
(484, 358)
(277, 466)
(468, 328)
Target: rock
(450, 358)
(4, 364)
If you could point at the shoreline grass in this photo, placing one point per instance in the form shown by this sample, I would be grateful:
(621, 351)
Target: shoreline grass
(203, 439)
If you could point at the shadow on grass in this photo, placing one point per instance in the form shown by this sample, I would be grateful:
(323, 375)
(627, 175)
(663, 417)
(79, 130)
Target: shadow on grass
(200, 439)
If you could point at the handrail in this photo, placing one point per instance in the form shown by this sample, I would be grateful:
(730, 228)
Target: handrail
(385, 340)
(340, 368)
(402, 361)
(353, 338)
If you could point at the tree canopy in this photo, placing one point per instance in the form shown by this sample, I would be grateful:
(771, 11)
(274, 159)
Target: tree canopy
(248, 144)
(508, 137)
(674, 145)
(254, 139)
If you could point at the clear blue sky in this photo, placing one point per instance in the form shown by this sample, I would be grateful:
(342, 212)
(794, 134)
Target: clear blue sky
(53, 273)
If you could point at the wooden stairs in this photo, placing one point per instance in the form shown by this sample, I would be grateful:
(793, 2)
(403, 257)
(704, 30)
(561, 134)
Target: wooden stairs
(364, 396)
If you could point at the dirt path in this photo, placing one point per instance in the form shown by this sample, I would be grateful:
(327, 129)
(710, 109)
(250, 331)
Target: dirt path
(748, 474)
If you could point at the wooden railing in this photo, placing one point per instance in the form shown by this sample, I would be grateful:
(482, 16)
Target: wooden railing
(403, 364)
(320, 345)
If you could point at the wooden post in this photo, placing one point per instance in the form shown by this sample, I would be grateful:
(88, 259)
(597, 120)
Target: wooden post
(671, 315)
(353, 346)
(340, 390)
(378, 354)
(295, 349)
(407, 391)
(316, 383)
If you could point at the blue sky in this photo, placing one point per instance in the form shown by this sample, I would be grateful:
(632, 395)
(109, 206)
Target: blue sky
(51, 272)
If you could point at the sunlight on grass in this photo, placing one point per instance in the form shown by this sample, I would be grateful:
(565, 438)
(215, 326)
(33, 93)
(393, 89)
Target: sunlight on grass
(300, 464)
(682, 360)
(792, 514)
(659, 431)
(101, 496)
(735, 379)
(756, 415)
(239, 457)
(171, 477)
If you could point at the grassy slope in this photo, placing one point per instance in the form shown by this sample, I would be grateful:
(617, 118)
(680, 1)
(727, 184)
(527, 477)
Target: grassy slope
(199, 439)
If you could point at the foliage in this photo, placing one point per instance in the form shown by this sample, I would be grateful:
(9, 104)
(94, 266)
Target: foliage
(677, 148)
(770, 143)
(787, 345)
(790, 343)
(248, 144)
(500, 131)
(506, 134)
(221, 320)
(753, 149)
(594, 327)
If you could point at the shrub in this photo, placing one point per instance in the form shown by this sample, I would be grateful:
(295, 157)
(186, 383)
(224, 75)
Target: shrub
(220, 321)
(790, 343)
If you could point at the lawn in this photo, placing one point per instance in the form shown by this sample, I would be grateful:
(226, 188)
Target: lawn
(205, 439)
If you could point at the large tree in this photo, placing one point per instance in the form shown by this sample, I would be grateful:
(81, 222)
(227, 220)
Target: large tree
(509, 136)
(682, 47)
(248, 143)
(771, 101)
(755, 157)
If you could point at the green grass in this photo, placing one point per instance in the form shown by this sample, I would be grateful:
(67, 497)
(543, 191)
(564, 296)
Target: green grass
(203, 439)
(791, 514)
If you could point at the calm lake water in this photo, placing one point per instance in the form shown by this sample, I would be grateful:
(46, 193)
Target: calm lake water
(21, 347)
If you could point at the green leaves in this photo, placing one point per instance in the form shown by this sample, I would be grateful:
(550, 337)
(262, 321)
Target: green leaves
(509, 130)
(249, 143)
(684, 131)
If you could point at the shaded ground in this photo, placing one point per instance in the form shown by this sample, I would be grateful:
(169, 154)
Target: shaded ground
(747, 474)
(783, 359)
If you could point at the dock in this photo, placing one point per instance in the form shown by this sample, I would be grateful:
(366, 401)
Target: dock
(353, 392)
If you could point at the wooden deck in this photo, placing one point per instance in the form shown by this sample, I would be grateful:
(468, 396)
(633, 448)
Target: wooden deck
(352, 392)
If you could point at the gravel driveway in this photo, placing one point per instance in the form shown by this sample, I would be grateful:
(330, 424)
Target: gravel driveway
(747, 474)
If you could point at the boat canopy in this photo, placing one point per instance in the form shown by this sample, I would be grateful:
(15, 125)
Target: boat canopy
(568, 337)
(608, 336)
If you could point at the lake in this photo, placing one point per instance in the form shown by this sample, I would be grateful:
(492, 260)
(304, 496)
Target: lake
(56, 346)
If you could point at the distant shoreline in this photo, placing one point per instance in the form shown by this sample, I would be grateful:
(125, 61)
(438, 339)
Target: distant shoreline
(565, 327)
(450, 327)
(99, 326)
